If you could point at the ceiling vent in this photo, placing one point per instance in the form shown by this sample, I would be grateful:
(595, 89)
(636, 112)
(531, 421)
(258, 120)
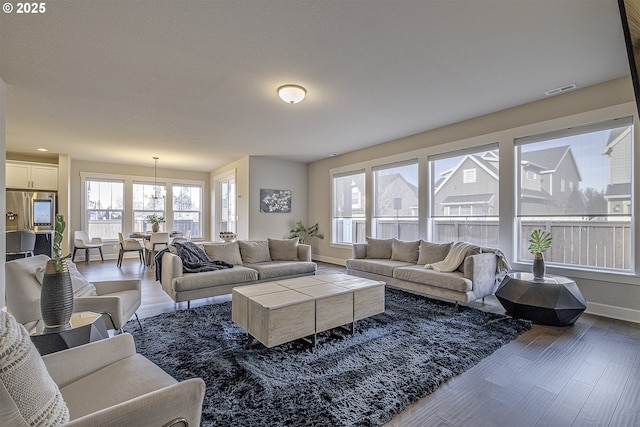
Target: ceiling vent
(563, 89)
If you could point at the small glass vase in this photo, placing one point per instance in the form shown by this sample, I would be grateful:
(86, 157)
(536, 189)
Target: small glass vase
(538, 267)
(56, 297)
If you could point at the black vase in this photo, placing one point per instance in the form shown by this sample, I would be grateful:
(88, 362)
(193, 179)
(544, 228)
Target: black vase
(538, 267)
(56, 297)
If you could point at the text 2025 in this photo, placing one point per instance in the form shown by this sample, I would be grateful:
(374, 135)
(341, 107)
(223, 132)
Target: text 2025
(31, 8)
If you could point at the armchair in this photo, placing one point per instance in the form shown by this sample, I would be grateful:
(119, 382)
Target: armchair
(117, 299)
(81, 240)
(104, 383)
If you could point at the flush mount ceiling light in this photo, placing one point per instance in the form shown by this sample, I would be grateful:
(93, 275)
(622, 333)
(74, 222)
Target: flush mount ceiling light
(292, 94)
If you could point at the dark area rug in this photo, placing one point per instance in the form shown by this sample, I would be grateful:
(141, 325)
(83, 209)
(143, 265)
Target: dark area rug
(393, 360)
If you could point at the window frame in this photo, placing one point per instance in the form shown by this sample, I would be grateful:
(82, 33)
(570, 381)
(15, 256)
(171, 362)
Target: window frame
(558, 222)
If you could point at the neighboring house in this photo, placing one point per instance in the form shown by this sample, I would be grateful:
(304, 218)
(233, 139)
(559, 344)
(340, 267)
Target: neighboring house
(618, 192)
(470, 188)
(396, 197)
(550, 185)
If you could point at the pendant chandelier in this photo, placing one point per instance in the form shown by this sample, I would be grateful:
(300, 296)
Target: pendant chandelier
(158, 193)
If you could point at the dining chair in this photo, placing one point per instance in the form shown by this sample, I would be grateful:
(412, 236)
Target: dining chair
(156, 243)
(81, 240)
(21, 242)
(129, 245)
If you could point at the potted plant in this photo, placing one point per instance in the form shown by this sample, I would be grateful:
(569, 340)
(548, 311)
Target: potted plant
(56, 295)
(539, 242)
(155, 221)
(304, 234)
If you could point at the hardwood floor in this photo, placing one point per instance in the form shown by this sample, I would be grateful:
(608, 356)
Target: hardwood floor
(584, 375)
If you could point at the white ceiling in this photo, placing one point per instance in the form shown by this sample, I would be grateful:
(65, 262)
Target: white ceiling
(194, 82)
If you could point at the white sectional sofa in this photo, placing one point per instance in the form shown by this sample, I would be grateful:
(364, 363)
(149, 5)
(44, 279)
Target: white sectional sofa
(402, 265)
(253, 261)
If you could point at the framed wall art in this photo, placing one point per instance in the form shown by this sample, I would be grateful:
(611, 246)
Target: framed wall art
(275, 201)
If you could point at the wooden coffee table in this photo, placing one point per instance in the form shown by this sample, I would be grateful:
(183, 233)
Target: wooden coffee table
(286, 310)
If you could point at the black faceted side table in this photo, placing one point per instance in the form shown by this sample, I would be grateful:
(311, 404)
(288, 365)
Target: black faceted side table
(554, 301)
(85, 327)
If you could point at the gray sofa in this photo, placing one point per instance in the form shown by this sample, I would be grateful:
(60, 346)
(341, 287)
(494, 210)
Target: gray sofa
(475, 272)
(253, 261)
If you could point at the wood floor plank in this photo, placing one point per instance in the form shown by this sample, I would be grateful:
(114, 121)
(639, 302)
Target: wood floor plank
(601, 403)
(565, 407)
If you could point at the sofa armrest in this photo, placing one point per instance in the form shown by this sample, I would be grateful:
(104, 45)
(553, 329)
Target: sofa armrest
(98, 304)
(359, 250)
(304, 252)
(182, 400)
(481, 270)
(171, 269)
(88, 358)
(110, 286)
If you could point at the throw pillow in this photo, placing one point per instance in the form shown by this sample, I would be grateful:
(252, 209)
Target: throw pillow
(379, 248)
(254, 251)
(283, 249)
(24, 377)
(432, 252)
(227, 252)
(404, 251)
(81, 287)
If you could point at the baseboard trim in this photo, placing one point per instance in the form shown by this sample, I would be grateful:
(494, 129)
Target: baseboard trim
(620, 313)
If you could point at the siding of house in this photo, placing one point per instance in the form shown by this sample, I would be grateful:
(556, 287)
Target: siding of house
(484, 184)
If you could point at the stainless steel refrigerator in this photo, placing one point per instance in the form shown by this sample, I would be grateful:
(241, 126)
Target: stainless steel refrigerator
(33, 210)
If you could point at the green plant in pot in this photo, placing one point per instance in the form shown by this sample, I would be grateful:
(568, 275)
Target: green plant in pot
(56, 295)
(539, 242)
(305, 234)
(155, 221)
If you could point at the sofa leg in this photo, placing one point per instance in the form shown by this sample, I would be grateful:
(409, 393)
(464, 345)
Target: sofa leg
(188, 304)
(456, 307)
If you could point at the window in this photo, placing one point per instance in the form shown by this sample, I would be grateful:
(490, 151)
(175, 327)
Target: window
(469, 176)
(187, 210)
(591, 220)
(147, 199)
(104, 201)
(227, 204)
(464, 196)
(395, 209)
(349, 208)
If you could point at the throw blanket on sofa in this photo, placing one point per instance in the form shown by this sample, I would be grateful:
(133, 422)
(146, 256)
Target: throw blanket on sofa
(453, 259)
(194, 259)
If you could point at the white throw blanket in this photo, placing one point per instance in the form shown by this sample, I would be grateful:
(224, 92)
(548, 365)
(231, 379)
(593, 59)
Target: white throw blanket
(453, 259)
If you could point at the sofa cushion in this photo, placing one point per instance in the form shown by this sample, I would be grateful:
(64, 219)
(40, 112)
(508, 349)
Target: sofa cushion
(454, 280)
(28, 394)
(283, 249)
(208, 279)
(254, 251)
(227, 252)
(377, 266)
(379, 248)
(405, 251)
(432, 252)
(279, 269)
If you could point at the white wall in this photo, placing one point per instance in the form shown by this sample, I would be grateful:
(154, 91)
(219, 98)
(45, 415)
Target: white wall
(3, 201)
(606, 294)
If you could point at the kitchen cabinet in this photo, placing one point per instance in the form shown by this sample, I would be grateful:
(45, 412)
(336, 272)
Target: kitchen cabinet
(32, 176)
